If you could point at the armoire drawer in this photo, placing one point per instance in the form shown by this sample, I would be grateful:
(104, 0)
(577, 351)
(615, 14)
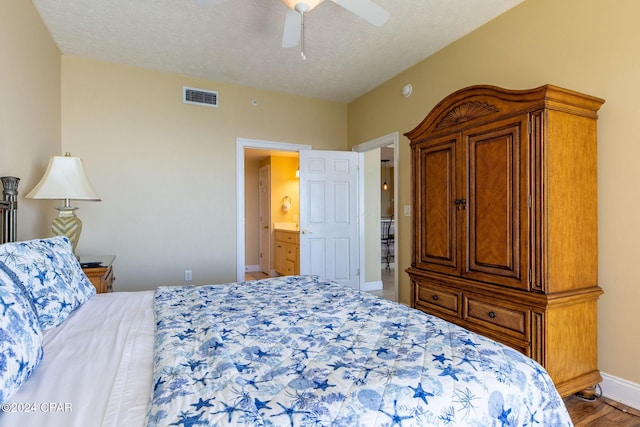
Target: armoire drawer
(508, 319)
(436, 298)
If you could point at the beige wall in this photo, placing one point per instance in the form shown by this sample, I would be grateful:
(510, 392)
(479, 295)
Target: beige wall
(284, 183)
(589, 46)
(371, 220)
(29, 108)
(166, 170)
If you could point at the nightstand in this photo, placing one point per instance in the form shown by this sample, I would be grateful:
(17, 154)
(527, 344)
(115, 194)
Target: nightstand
(99, 270)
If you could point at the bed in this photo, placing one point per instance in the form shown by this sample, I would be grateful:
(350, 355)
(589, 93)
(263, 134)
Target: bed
(9, 208)
(289, 351)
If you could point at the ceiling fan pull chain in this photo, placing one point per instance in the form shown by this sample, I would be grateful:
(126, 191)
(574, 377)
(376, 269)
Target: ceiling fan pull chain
(302, 36)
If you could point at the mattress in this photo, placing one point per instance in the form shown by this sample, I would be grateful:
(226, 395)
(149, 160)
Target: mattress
(105, 347)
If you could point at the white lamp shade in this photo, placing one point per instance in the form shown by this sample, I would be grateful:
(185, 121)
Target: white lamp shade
(64, 178)
(291, 4)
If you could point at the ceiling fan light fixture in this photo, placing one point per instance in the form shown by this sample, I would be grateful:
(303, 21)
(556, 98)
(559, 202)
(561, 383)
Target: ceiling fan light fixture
(293, 34)
(302, 6)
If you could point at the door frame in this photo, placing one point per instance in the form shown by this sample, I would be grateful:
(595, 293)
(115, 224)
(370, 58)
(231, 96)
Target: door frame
(264, 218)
(241, 144)
(382, 141)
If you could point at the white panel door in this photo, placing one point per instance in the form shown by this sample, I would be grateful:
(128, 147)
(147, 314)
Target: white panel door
(329, 215)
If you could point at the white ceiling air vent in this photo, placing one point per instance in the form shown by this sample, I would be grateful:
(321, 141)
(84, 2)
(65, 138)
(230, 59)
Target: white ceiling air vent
(195, 96)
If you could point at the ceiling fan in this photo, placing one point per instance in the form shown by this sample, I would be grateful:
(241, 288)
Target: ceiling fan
(294, 22)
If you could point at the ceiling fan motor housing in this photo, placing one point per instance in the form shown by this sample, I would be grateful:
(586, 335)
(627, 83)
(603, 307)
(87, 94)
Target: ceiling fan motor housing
(302, 6)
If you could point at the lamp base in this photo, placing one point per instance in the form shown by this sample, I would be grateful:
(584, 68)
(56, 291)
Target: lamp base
(67, 224)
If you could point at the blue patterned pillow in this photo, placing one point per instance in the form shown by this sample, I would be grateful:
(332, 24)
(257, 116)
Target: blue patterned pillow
(20, 335)
(51, 274)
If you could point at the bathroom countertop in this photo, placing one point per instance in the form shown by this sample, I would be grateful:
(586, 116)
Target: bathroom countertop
(286, 226)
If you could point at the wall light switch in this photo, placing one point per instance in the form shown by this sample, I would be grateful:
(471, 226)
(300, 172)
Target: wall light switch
(407, 210)
(187, 275)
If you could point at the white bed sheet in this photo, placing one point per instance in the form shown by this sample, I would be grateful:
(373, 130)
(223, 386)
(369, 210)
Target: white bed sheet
(97, 368)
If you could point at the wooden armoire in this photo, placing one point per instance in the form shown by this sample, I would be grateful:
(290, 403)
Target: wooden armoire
(505, 233)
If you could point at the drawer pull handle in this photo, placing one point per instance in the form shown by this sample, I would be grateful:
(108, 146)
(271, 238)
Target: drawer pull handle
(461, 204)
(492, 315)
(435, 297)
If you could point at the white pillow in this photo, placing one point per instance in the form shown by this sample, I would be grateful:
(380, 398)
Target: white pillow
(51, 274)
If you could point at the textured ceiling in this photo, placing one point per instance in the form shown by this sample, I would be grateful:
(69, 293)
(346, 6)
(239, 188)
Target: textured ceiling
(239, 41)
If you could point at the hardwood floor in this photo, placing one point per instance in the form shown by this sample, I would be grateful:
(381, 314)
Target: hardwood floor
(601, 412)
(256, 275)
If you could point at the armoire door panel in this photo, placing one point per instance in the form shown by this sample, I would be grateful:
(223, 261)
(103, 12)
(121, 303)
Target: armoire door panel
(436, 183)
(496, 206)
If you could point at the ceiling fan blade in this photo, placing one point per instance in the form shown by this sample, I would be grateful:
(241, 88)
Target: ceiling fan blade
(292, 29)
(367, 10)
(208, 3)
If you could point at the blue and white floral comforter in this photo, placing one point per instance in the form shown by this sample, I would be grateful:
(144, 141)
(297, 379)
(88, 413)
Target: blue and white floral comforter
(299, 351)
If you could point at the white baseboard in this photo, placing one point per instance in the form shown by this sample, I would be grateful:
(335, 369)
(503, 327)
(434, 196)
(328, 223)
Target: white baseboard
(251, 268)
(621, 390)
(372, 286)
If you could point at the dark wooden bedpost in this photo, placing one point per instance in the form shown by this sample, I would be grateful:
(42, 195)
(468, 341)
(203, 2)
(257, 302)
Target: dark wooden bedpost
(9, 207)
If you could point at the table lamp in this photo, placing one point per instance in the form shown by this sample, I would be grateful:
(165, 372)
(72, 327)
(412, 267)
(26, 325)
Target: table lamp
(65, 179)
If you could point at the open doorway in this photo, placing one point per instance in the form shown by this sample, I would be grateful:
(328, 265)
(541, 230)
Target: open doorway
(387, 222)
(378, 210)
(241, 209)
(373, 240)
(272, 209)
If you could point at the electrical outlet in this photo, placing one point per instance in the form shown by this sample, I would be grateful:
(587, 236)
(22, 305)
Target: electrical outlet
(187, 275)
